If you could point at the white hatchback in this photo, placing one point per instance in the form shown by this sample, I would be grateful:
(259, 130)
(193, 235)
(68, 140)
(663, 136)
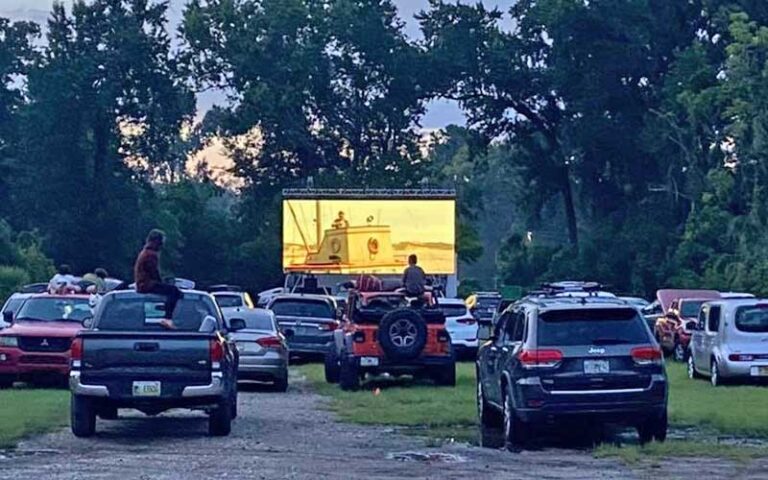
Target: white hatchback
(461, 325)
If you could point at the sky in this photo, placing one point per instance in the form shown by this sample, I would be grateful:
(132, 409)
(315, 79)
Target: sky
(440, 113)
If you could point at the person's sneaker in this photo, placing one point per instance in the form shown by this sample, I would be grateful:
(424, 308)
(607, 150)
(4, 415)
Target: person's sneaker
(168, 323)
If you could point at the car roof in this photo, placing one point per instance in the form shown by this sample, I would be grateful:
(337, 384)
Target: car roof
(574, 303)
(738, 302)
(302, 296)
(227, 293)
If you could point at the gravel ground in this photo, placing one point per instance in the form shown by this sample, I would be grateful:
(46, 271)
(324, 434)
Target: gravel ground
(290, 435)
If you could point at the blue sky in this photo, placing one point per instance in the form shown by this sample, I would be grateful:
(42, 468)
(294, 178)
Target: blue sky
(439, 114)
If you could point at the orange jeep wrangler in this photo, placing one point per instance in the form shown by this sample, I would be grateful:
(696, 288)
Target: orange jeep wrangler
(386, 332)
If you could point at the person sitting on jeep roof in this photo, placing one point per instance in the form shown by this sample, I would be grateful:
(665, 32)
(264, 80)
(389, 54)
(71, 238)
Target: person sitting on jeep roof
(414, 278)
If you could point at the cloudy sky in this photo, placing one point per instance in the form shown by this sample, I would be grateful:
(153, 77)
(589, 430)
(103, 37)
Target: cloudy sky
(440, 113)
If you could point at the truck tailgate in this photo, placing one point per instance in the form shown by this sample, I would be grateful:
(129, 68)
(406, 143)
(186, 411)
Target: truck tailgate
(118, 359)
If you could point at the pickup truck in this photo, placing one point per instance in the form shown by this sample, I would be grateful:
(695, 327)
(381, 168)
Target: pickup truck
(125, 358)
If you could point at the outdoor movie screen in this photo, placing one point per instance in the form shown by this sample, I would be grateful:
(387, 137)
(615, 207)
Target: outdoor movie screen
(353, 236)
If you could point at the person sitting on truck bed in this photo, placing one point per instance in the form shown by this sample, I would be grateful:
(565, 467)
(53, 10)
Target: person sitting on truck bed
(414, 278)
(147, 275)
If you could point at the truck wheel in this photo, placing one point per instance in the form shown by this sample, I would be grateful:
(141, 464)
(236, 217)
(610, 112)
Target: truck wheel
(349, 375)
(332, 365)
(446, 376)
(6, 381)
(82, 416)
(491, 435)
(281, 383)
(515, 431)
(653, 429)
(220, 419)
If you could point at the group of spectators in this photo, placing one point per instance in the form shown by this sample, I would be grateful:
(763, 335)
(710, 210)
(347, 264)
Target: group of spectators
(64, 282)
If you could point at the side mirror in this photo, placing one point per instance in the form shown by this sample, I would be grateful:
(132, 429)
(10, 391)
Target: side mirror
(237, 324)
(484, 330)
(208, 325)
(87, 322)
(8, 316)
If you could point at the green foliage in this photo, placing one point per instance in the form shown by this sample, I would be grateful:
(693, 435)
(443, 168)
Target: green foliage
(11, 278)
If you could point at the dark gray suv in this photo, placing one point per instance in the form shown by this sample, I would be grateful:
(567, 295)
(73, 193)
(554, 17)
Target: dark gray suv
(556, 360)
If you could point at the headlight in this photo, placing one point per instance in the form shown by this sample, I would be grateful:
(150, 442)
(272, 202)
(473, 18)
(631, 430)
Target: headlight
(9, 341)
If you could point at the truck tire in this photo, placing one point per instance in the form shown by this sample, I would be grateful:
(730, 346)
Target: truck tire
(491, 434)
(403, 334)
(82, 416)
(349, 375)
(332, 365)
(220, 419)
(445, 376)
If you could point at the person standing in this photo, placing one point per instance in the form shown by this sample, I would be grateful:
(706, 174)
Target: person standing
(146, 273)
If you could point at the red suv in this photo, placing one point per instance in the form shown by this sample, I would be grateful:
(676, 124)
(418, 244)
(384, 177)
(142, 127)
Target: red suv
(37, 344)
(385, 332)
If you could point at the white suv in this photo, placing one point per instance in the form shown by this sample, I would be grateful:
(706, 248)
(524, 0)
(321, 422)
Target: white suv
(461, 325)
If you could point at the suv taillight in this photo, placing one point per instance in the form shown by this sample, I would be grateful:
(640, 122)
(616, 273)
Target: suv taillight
(540, 358)
(76, 351)
(647, 355)
(217, 353)
(270, 342)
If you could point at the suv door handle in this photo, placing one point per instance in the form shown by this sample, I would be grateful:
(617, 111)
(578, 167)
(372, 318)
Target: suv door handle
(146, 346)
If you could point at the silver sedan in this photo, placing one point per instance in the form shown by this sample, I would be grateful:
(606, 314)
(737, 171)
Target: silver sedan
(263, 349)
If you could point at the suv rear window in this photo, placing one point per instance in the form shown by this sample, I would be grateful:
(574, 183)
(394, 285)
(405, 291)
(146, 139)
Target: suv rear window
(229, 301)
(303, 308)
(752, 319)
(145, 313)
(453, 310)
(612, 326)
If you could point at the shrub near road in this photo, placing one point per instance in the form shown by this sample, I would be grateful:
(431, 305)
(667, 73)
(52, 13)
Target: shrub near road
(27, 412)
(451, 412)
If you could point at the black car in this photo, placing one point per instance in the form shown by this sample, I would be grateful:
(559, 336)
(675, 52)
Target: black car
(560, 360)
(128, 358)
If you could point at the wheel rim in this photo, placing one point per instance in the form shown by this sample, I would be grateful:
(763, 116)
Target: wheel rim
(403, 333)
(507, 419)
(691, 368)
(715, 374)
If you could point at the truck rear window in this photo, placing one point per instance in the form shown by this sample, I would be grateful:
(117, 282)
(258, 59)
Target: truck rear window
(302, 308)
(752, 319)
(145, 313)
(614, 326)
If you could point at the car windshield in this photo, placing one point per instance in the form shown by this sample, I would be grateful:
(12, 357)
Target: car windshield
(146, 312)
(54, 309)
(453, 310)
(257, 321)
(302, 308)
(229, 301)
(752, 319)
(605, 326)
(690, 309)
(13, 305)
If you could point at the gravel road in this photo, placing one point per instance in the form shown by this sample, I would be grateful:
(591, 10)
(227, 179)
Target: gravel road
(291, 435)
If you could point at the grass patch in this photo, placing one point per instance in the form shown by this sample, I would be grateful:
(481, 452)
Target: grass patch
(28, 412)
(438, 412)
(679, 448)
(733, 410)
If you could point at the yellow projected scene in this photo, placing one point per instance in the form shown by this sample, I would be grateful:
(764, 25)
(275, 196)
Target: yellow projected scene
(368, 236)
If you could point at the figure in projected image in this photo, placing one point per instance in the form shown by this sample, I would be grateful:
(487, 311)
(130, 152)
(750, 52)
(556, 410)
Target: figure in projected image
(340, 221)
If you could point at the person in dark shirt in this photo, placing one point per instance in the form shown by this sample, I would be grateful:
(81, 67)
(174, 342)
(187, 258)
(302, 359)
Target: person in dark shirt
(146, 273)
(414, 278)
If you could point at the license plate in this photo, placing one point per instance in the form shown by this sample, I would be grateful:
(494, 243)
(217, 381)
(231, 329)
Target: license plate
(146, 389)
(369, 361)
(592, 367)
(759, 371)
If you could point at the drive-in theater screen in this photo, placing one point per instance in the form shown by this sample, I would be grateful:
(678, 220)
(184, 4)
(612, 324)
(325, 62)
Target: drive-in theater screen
(368, 235)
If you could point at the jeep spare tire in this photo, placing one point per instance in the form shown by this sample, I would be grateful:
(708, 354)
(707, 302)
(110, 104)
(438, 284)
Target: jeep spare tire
(402, 334)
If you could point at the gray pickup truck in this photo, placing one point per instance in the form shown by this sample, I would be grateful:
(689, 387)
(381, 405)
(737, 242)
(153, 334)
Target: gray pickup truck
(125, 358)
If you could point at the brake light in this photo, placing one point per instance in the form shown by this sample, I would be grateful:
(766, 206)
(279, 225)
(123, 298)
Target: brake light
(540, 358)
(329, 327)
(217, 353)
(647, 355)
(466, 321)
(270, 342)
(76, 351)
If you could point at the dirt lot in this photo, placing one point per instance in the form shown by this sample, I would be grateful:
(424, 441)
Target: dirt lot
(292, 436)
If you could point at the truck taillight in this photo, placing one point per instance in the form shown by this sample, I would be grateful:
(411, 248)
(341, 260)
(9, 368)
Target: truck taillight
(270, 342)
(217, 353)
(540, 358)
(647, 355)
(76, 352)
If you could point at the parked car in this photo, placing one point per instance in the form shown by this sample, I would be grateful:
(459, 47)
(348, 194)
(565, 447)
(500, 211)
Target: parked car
(232, 299)
(652, 312)
(555, 360)
(307, 320)
(384, 332)
(461, 326)
(263, 349)
(36, 346)
(483, 305)
(128, 359)
(11, 306)
(680, 307)
(730, 341)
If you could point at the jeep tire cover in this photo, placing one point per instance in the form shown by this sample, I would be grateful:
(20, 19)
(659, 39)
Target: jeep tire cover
(402, 334)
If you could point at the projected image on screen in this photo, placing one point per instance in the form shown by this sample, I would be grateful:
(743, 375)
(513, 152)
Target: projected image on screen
(368, 236)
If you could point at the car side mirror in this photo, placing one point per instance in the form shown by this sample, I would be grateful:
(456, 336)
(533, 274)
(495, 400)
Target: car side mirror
(8, 316)
(484, 330)
(87, 322)
(237, 324)
(288, 332)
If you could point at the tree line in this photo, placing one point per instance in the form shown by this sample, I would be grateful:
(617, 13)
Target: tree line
(618, 140)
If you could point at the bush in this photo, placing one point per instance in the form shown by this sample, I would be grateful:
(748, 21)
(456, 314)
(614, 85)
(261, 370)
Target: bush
(11, 278)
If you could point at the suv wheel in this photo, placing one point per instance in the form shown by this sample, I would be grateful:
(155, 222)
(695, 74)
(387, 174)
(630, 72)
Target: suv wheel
(349, 374)
(654, 428)
(491, 435)
(714, 376)
(514, 429)
(82, 416)
(332, 365)
(679, 352)
(220, 419)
